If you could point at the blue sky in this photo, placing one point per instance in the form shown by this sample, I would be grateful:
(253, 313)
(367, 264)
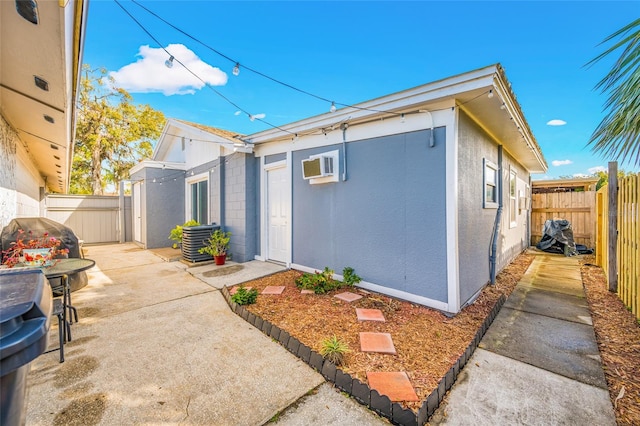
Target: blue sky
(352, 52)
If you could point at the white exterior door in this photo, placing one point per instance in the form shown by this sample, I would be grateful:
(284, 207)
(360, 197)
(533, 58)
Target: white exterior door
(137, 214)
(278, 207)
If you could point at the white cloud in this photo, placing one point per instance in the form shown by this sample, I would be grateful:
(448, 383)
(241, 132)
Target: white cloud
(556, 122)
(597, 169)
(561, 162)
(237, 113)
(149, 73)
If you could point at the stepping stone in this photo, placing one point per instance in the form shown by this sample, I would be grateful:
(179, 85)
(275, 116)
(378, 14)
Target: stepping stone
(369, 315)
(348, 296)
(394, 385)
(273, 289)
(377, 342)
(307, 292)
(234, 290)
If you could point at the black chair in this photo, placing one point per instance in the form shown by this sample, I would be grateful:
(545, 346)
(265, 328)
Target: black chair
(64, 328)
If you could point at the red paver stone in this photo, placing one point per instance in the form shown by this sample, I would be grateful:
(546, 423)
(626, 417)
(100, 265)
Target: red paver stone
(395, 385)
(369, 315)
(234, 290)
(348, 296)
(307, 292)
(273, 289)
(377, 342)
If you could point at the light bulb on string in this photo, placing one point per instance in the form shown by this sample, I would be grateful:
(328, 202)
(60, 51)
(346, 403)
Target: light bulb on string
(490, 95)
(169, 62)
(333, 107)
(236, 69)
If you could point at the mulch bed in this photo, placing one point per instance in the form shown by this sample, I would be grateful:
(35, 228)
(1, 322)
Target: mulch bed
(427, 342)
(618, 335)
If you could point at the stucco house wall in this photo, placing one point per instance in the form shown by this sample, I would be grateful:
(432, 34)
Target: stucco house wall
(387, 220)
(475, 223)
(21, 187)
(161, 204)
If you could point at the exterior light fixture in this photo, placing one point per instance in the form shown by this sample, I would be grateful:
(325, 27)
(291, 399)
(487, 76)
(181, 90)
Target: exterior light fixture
(236, 69)
(490, 95)
(333, 107)
(28, 9)
(41, 83)
(169, 62)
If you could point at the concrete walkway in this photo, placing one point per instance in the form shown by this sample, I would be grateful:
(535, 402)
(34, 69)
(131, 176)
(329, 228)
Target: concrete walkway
(157, 345)
(538, 364)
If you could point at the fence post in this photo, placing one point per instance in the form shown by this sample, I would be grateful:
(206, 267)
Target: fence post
(613, 226)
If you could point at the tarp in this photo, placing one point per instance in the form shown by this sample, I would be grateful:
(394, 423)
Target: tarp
(557, 237)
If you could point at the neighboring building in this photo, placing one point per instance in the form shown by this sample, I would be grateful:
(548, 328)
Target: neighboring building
(40, 60)
(565, 185)
(406, 189)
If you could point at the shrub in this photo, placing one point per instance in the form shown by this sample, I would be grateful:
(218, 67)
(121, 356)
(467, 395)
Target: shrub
(334, 350)
(323, 282)
(244, 296)
(176, 233)
(349, 276)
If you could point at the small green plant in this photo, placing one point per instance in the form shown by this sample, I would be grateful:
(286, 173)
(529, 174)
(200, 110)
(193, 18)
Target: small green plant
(176, 233)
(322, 281)
(244, 296)
(349, 276)
(217, 244)
(334, 349)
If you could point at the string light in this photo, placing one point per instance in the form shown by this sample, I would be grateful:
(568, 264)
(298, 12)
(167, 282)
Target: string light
(236, 69)
(169, 62)
(490, 95)
(333, 107)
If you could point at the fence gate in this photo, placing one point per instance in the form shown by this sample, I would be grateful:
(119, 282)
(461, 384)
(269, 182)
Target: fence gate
(93, 218)
(579, 208)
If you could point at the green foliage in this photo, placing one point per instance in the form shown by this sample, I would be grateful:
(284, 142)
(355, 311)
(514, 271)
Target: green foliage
(334, 350)
(618, 134)
(349, 276)
(176, 233)
(217, 244)
(112, 134)
(320, 282)
(323, 282)
(244, 296)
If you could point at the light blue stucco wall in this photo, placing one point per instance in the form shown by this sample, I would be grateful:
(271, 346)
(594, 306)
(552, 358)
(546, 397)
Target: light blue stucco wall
(161, 204)
(475, 223)
(387, 220)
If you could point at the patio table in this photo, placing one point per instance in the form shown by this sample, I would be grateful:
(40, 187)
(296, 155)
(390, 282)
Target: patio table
(62, 268)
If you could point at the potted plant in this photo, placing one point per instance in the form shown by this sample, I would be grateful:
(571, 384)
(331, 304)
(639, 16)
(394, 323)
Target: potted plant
(32, 250)
(217, 246)
(176, 233)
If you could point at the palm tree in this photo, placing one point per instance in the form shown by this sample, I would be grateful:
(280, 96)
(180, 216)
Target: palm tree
(618, 135)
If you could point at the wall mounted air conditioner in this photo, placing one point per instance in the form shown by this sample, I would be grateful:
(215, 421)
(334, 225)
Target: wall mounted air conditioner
(317, 166)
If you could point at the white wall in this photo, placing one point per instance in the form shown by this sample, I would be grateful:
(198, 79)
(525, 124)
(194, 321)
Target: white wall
(19, 180)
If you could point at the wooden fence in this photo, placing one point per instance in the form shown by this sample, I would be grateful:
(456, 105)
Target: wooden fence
(579, 208)
(628, 247)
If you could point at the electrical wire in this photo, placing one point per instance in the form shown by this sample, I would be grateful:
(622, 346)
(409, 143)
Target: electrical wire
(194, 74)
(253, 70)
(251, 116)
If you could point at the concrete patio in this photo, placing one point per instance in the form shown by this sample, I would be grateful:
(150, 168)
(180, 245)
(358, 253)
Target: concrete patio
(157, 345)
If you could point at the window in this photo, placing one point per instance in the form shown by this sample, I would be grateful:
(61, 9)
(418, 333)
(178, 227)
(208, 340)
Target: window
(200, 202)
(513, 199)
(490, 181)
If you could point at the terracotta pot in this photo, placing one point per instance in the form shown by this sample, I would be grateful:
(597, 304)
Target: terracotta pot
(220, 259)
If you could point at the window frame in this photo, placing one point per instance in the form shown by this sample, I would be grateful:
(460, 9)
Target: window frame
(489, 204)
(189, 213)
(513, 197)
